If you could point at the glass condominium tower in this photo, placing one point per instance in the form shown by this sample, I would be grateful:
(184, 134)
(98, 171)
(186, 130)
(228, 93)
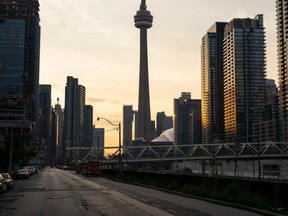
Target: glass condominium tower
(19, 65)
(74, 113)
(212, 84)
(244, 75)
(282, 46)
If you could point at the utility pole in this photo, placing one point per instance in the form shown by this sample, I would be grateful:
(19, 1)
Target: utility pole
(98, 148)
(120, 153)
(118, 127)
(258, 149)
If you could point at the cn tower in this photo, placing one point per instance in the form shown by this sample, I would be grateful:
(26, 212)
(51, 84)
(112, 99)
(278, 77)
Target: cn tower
(143, 20)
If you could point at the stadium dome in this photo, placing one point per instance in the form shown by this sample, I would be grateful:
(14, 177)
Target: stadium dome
(166, 136)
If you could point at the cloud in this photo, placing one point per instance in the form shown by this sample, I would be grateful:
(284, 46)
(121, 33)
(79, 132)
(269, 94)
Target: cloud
(103, 100)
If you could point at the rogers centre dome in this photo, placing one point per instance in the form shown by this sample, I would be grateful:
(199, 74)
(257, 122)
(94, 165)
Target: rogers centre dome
(166, 136)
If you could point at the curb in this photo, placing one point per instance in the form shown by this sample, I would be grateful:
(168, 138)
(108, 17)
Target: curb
(218, 202)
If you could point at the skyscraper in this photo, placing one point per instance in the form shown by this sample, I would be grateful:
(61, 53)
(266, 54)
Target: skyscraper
(74, 113)
(143, 20)
(45, 111)
(196, 121)
(244, 77)
(183, 119)
(271, 91)
(88, 126)
(163, 122)
(212, 83)
(272, 107)
(282, 39)
(19, 63)
(98, 143)
(127, 124)
(60, 148)
(54, 136)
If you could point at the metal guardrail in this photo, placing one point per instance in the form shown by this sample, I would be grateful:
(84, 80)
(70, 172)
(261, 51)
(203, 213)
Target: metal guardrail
(219, 151)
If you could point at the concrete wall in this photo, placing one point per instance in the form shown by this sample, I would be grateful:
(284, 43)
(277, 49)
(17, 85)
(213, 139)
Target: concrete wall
(227, 168)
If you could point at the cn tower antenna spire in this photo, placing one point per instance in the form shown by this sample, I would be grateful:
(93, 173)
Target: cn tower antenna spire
(143, 20)
(143, 5)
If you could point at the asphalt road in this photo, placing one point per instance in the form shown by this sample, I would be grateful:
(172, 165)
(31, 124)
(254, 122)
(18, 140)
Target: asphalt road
(54, 192)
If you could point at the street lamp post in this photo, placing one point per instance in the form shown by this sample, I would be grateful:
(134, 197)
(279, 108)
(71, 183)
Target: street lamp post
(259, 149)
(119, 142)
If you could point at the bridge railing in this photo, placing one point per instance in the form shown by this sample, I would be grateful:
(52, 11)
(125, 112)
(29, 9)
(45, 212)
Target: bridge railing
(170, 152)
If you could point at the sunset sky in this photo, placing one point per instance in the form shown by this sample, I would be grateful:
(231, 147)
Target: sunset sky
(96, 42)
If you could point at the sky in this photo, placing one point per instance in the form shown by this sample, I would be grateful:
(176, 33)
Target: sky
(96, 41)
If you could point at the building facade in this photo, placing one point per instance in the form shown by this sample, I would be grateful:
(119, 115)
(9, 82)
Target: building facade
(128, 114)
(19, 68)
(98, 138)
(196, 121)
(163, 123)
(45, 113)
(88, 126)
(60, 124)
(212, 84)
(74, 113)
(184, 109)
(54, 137)
(244, 65)
(282, 39)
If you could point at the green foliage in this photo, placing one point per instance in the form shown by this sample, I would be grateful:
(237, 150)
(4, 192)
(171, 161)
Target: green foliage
(20, 153)
(240, 192)
(4, 159)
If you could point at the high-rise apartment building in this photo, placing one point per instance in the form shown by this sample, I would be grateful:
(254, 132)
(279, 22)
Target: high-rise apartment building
(196, 121)
(98, 143)
(59, 130)
(127, 124)
(74, 113)
(272, 113)
(54, 137)
(98, 137)
(212, 84)
(163, 123)
(282, 40)
(88, 126)
(187, 120)
(244, 72)
(160, 123)
(136, 130)
(45, 113)
(271, 91)
(19, 67)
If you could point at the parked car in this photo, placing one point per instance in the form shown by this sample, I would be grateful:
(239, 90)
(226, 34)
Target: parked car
(22, 174)
(3, 185)
(65, 167)
(29, 169)
(9, 181)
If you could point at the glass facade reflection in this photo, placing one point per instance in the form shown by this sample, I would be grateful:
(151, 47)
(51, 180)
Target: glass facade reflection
(212, 84)
(244, 77)
(12, 34)
(282, 39)
(19, 72)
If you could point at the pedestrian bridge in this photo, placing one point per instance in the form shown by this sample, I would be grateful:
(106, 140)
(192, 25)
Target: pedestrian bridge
(170, 152)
